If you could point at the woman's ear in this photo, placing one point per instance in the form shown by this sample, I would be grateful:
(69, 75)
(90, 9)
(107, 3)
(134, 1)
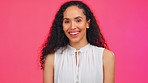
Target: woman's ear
(88, 23)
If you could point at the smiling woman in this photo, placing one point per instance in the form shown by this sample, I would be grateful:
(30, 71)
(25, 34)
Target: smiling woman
(76, 51)
(74, 26)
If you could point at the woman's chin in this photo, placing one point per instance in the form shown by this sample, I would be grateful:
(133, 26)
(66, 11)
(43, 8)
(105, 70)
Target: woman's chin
(74, 41)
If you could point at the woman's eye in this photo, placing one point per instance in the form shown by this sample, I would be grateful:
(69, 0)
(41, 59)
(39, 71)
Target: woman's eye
(66, 21)
(79, 20)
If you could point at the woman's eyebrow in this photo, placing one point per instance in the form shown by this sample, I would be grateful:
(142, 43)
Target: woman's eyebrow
(66, 18)
(78, 17)
(74, 18)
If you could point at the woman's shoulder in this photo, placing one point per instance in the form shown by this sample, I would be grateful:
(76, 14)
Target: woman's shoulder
(108, 57)
(108, 54)
(49, 60)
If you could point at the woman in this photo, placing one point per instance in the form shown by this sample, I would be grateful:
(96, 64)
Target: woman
(76, 51)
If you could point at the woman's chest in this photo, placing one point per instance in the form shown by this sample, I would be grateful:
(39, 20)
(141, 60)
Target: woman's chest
(81, 69)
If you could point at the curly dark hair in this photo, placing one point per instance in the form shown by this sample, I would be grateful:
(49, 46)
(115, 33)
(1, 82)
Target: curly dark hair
(57, 38)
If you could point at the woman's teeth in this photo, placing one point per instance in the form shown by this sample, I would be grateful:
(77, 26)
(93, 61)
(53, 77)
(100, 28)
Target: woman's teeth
(73, 33)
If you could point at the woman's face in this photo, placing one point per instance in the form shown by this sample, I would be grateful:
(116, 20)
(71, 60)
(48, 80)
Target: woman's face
(75, 25)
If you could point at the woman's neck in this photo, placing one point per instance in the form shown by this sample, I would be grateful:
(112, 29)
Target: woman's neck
(79, 45)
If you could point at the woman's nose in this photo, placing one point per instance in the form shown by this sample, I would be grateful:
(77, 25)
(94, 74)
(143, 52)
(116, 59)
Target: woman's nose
(73, 25)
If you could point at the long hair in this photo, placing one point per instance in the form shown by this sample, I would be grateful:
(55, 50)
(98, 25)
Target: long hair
(57, 38)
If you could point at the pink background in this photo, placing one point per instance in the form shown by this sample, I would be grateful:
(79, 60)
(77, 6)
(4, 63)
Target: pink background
(24, 25)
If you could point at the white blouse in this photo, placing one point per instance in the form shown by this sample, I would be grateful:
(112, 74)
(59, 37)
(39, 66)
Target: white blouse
(78, 66)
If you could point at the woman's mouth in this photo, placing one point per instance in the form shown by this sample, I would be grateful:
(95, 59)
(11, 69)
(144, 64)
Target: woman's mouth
(74, 34)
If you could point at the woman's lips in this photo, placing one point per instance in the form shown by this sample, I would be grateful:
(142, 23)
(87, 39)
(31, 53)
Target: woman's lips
(74, 34)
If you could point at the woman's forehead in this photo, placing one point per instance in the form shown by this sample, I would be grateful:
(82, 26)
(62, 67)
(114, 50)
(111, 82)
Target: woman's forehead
(73, 12)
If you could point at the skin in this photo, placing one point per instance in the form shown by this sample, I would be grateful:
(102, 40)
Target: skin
(75, 22)
(74, 26)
